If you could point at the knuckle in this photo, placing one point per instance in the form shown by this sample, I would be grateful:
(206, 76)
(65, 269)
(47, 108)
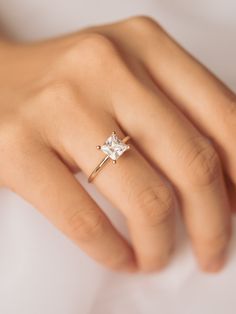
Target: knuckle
(202, 164)
(142, 21)
(155, 205)
(51, 99)
(94, 47)
(86, 225)
(96, 40)
(55, 90)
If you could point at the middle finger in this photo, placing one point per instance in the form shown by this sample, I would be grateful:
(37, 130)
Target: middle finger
(187, 159)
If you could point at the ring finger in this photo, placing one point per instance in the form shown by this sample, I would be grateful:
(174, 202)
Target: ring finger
(131, 185)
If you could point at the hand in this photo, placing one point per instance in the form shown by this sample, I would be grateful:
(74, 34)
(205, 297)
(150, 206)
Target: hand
(61, 98)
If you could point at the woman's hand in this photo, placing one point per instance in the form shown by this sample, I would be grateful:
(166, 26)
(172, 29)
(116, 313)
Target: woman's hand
(60, 98)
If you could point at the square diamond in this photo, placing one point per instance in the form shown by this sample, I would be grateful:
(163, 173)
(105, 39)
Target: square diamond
(114, 147)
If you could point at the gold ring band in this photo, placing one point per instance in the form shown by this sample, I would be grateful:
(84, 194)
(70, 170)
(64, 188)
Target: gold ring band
(113, 148)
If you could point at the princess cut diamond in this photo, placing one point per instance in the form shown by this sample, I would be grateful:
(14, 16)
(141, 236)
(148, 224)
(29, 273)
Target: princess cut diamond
(114, 147)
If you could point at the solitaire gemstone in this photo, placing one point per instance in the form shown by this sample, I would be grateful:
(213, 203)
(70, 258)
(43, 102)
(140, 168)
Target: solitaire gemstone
(114, 147)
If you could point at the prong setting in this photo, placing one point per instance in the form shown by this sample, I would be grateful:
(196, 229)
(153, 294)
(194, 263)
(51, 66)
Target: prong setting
(114, 147)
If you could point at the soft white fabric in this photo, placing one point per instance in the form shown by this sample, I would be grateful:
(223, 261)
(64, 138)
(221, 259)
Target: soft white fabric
(41, 271)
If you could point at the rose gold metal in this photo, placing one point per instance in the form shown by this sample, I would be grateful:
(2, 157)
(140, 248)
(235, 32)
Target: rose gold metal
(104, 161)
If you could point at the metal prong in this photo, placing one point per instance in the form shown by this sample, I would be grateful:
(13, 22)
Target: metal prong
(128, 147)
(98, 147)
(114, 132)
(114, 162)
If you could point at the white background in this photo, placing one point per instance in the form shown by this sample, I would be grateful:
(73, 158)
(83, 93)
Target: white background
(42, 272)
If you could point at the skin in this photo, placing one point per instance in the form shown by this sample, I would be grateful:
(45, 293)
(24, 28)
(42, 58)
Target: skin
(60, 98)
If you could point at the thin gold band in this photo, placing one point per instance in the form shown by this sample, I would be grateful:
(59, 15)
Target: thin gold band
(103, 163)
